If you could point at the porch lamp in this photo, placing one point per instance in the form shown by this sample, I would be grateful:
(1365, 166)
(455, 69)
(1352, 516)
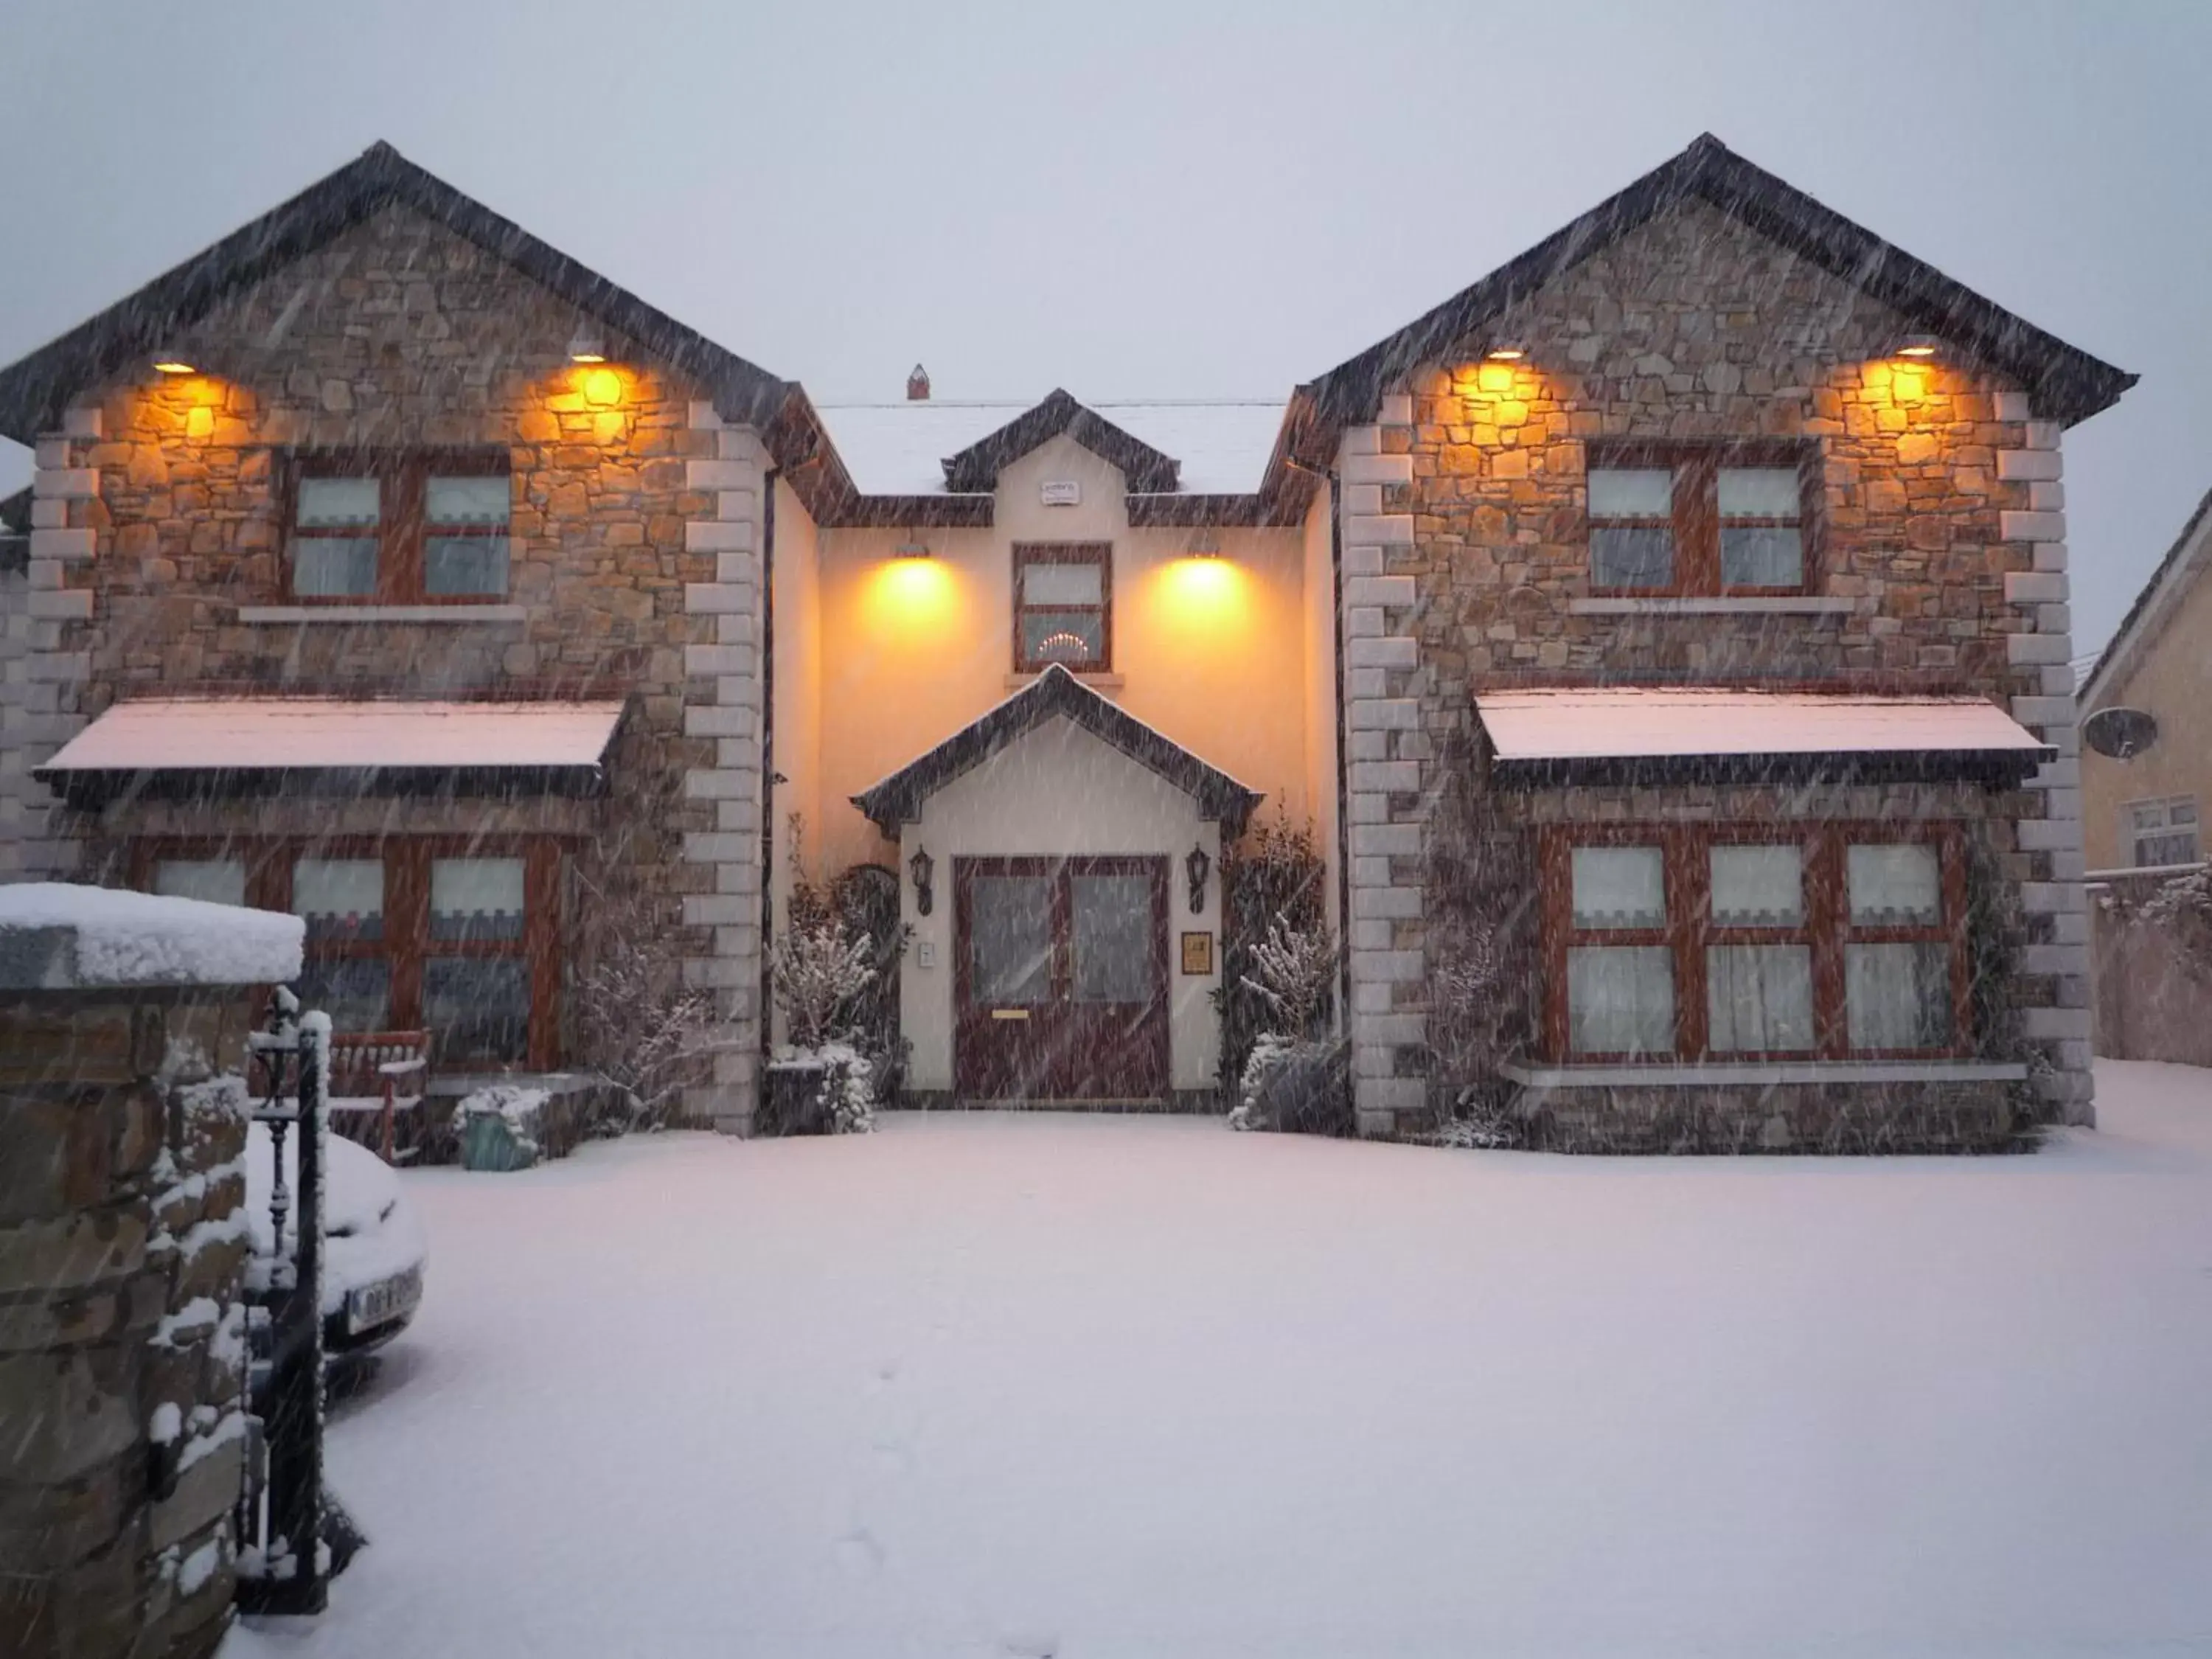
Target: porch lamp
(170, 362)
(1196, 866)
(1919, 346)
(922, 868)
(1507, 351)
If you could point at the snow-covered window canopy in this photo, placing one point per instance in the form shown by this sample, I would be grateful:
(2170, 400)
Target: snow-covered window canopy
(1658, 734)
(237, 745)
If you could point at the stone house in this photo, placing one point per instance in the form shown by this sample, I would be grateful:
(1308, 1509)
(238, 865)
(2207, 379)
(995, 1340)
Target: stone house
(1666, 637)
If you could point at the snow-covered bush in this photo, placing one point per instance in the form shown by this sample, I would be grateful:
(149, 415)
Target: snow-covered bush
(1292, 1079)
(2182, 908)
(1274, 872)
(1293, 969)
(1480, 1123)
(815, 973)
(638, 1026)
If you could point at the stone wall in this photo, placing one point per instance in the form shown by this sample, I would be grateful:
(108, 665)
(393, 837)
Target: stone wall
(158, 564)
(122, 1328)
(1976, 1116)
(1467, 565)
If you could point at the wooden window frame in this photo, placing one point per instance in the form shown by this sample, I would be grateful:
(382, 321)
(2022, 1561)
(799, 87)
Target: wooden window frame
(1101, 554)
(1689, 928)
(1696, 522)
(407, 944)
(2137, 834)
(403, 530)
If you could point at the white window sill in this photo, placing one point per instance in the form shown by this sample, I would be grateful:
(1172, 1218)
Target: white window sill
(1096, 682)
(1771, 604)
(1708, 1074)
(357, 614)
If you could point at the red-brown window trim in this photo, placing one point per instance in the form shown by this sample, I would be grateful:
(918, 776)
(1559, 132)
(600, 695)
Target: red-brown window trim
(1101, 554)
(402, 531)
(406, 944)
(1695, 466)
(1826, 927)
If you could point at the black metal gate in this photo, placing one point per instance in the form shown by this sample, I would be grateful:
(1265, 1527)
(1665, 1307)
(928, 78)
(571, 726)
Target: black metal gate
(284, 1556)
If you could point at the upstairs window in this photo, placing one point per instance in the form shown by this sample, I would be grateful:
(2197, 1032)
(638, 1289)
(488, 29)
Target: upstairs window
(400, 527)
(1703, 519)
(2164, 831)
(1064, 606)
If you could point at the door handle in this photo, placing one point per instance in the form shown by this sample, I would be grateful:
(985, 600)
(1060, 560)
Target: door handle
(1010, 1013)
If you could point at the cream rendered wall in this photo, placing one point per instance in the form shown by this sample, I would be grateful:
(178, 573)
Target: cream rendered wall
(2172, 680)
(1057, 791)
(795, 589)
(1212, 651)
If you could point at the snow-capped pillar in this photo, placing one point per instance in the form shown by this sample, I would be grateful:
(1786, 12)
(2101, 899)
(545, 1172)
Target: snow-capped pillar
(49, 659)
(724, 920)
(2055, 1025)
(1384, 744)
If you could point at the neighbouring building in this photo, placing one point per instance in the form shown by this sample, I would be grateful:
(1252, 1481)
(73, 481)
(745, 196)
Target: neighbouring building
(1667, 638)
(2146, 774)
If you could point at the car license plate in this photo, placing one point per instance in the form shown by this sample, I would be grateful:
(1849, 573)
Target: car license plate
(383, 1302)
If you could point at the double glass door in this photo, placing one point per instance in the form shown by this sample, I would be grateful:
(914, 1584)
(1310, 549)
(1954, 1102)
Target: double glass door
(1062, 979)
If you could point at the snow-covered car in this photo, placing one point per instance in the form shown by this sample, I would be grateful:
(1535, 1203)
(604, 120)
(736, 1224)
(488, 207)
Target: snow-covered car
(373, 1247)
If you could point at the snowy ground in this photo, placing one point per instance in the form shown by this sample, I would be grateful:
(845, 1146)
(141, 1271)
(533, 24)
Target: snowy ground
(992, 1386)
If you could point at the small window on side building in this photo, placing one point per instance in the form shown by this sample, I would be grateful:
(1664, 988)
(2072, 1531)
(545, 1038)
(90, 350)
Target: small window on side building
(2164, 831)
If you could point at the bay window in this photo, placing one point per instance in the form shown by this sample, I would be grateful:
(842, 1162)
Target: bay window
(407, 933)
(1732, 941)
(1702, 519)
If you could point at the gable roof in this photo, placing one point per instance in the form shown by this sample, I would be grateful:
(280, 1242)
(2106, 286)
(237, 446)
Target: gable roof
(1055, 693)
(2184, 563)
(33, 391)
(2065, 383)
(976, 467)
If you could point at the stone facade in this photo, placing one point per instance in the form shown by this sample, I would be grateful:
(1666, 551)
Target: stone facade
(158, 564)
(1466, 566)
(122, 1336)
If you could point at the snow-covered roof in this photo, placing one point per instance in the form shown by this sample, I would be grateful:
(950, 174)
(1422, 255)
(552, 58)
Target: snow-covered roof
(900, 449)
(254, 734)
(1651, 722)
(59, 936)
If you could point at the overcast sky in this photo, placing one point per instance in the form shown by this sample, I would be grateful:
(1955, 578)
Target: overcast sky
(1155, 200)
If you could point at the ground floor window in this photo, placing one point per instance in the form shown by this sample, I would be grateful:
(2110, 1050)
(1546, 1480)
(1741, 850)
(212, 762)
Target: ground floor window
(2164, 831)
(458, 938)
(1730, 942)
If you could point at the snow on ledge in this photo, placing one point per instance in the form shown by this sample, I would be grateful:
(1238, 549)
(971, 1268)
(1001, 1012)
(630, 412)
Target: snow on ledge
(58, 936)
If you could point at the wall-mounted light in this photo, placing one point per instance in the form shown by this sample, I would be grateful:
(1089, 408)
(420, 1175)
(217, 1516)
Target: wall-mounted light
(1196, 866)
(1510, 352)
(912, 550)
(1205, 543)
(588, 344)
(168, 362)
(923, 869)
(1919, 346)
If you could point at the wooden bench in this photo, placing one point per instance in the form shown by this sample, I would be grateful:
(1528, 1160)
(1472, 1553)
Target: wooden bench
(375, 1077)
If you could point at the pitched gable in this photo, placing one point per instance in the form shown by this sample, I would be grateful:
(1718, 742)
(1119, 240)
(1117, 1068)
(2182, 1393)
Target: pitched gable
(2178, 574)
(1056, 694)
(977, 466)
(2065, 383)
(34, 390)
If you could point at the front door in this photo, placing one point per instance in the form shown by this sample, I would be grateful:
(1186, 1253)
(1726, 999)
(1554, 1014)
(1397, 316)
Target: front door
(1060, 992)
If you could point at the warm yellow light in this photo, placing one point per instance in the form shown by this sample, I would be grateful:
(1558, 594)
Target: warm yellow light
(1915, 348)
(603, 387)
(1493, 377)
(587, 357)
(909, 604)
(1507, 354)
(171, 365)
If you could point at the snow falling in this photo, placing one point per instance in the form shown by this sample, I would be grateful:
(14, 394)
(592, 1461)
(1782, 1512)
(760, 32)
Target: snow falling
(1549, 990)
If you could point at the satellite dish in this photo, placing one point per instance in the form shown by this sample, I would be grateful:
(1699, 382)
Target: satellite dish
(2123, 734)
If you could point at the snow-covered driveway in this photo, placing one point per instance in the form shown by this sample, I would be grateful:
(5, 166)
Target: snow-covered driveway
(991, 1385)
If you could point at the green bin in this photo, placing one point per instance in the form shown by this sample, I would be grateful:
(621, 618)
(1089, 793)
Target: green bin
(489, 1144)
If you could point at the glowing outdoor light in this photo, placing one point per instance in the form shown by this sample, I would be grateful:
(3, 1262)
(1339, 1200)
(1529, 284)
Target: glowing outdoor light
(1196, 866)
(588, 344)
(1506, 354)
(1204, 544)
(912, 550)
(1918, 346)
(168, 362)
(922, 868)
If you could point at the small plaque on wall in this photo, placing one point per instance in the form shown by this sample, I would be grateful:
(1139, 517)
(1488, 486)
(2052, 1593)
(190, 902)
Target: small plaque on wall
(1198, 953)
(1061, 492)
